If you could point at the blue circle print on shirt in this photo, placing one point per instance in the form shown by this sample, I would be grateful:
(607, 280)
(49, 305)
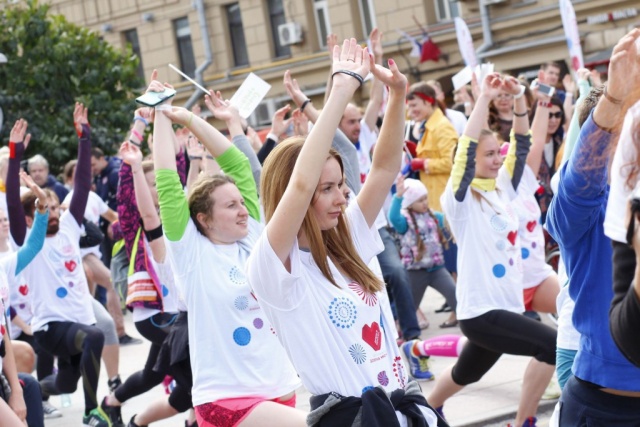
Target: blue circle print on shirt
(499, 270)
(165, 291)
(61, 292)
(342, 312)
(241, 303)
(358, 353)
(525, 253)
(242, 336)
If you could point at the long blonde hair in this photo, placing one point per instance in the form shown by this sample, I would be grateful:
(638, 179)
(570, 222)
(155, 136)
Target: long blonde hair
(334, 243)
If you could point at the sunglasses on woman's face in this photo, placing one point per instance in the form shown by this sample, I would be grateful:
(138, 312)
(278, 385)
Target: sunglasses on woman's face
(556, 115)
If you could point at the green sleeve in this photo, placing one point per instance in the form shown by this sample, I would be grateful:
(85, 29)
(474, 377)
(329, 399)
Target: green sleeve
(174, 209)
(236, 165)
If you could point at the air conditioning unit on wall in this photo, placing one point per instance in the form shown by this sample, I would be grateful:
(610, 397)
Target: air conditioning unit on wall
(289, 33)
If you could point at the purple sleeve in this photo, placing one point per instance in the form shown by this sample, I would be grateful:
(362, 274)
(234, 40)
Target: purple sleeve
(181, 165)
(82, 181)
(17, 222)
(128, 215)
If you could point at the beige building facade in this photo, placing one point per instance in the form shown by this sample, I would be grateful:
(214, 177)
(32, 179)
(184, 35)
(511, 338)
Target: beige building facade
(226, 40)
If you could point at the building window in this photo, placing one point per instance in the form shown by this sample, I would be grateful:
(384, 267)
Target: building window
(185, 47)
(277, 18)
(446, 10)
(236, 31)
(131, 38)
(321, 12)
(368, 16)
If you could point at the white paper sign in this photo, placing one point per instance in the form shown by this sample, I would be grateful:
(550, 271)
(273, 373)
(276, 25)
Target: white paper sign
(465, 43)
(250, 93)
(572, 34)
(461, 78)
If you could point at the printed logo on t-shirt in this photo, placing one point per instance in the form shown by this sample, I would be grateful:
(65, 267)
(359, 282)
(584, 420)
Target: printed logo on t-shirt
(383, 379)
(358, 353)
(23, 289)
(342, 312)
(372, 335)
(369, 298)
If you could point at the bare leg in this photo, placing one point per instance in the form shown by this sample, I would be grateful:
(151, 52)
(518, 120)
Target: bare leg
(8, 417)
(102, 276)
(536, 379)
(268, 414)
(111, 358)
(24, 355)
(444, 389)
(544, 300)
(158, 410)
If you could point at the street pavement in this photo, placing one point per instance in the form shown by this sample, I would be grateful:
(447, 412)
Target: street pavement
(491, 402)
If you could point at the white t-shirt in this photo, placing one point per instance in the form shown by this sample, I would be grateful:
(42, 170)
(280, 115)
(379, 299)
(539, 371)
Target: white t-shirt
(7, 272)
(457, 119)
(488, 249)
(340, 339)
(615, 226)
(367, 140)
(60, 289)
(534, 266)
(568, 336)
(19, 296)
(172, 302)
(234, 350)
(95, 206)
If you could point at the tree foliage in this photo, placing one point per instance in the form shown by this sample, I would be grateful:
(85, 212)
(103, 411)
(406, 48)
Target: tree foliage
(52, 64)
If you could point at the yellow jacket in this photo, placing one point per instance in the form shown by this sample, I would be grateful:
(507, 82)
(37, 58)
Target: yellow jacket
(437, 145)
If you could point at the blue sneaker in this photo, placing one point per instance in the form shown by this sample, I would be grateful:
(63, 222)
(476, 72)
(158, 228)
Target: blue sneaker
(418, 365)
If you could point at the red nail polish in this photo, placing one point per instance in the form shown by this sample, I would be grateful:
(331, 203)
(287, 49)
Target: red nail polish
(391, 62)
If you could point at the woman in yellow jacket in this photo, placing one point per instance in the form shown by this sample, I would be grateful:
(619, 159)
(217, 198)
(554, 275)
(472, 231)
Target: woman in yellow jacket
(437, 139)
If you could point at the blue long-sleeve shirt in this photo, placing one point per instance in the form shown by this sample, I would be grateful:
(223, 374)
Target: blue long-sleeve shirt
(575, 220)
(34, 242)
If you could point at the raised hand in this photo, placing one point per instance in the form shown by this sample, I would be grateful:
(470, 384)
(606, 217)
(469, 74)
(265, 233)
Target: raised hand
(376, 44)
(596, 78)
(18, 132)
(624, 67)
(156, 86)
(130, 154)
(183, 135)
(178, 115)
(392, 77)
(352, 59)
(491, 85)
(332, 41)
(31, 185)
(511, 85)
(278, 124)
(300, 123)
(194, 147)
(80, 117)
(196, 109)
(291, 85)
(146, 113)
(568, 83)
(220, 108)
(583, 74)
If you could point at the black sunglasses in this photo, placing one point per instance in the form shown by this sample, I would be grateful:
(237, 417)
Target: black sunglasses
(557, 115)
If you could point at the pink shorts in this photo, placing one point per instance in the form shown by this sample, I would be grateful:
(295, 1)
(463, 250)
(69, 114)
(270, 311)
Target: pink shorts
(231, 412)
(528, 297)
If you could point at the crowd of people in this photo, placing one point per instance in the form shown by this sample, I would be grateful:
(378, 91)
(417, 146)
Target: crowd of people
(255, 268)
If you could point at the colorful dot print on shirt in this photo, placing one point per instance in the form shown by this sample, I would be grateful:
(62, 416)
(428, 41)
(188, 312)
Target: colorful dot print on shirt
(498, 223)
(241, 303)
(237, 276)
(369, 298)
(383, 379)
(242, 336)
(358, 353)
(342, 312)
(398, 371)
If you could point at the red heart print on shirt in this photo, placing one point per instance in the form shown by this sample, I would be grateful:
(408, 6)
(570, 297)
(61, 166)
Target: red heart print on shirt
(70, 265)
(531, 225)
(24, 289)
(512, 237)
(372, 335)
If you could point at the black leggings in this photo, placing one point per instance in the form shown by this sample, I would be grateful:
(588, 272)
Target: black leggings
(155, 329)
(495, 333)
(78, 348)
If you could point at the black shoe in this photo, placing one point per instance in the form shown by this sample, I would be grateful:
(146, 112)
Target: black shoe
(113, 412)
(114, 383)
(132, 424)
(444, 309)
(532, 315)
(128, 340)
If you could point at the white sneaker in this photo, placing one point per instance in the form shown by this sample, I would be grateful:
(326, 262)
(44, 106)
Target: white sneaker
(50, 411)
(552, 391)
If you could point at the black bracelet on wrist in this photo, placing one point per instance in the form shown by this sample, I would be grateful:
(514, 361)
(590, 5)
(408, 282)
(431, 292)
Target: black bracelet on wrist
(520, 114)
(137, 144)
(195, 157)
(304, 104)
(209, 156)
(349, 73)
